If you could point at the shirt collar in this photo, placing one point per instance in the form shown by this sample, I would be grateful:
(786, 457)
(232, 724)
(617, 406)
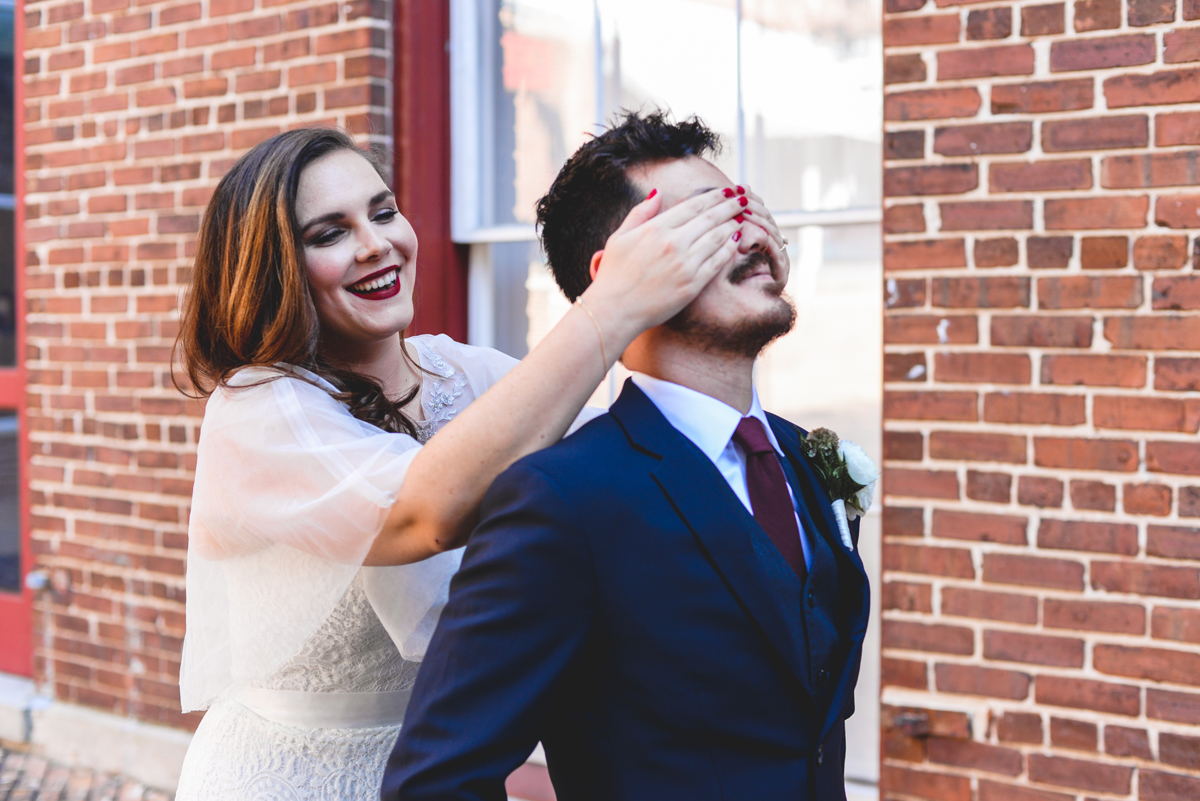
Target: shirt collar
(706, 421)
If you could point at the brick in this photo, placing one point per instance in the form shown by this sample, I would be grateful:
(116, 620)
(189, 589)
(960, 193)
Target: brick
(1019, 727)
(1039, 176)
(1096, 212)
(1043, 20)
(1085, 454)
(1178, 128)
(904, 144)
(922, 30)
(936, 638)
(1147, 414)
(1160, 252)
(1142, 579)
(972, 755)
(1156, 785)
(1032, 408)
(1177, 211)
(931, 104)
(906, 218)
(1080, 774)
(985, 62)
(907, 596)
(1096, 133)
(1114, 618)
(1123, 741)
(903, 522)
(1147, 499)
(900, 405)
(1173, 542)
(1006, 529)
(1079, 535)
(1155, 89)
(904, 367)
(1161, 332)
(995, 791)
(926, 784)
(1153, 664)
(1005, 292)
(978, 604)
(903, 673)
(989, 682)
(921, 483)
(1173, 706)
(1179, 750)
(1097, 15)
(925, 560)
(1158, 169)
(1093, 495)
(903, 445)
(1180, 458)
(949, 179)
(989, 23)
(1043, 492)
(974, 140)
(1170, 623)
(988, 215)
(1077, 693)
(1075, 734)
(1035, 649)
(1032, 571)
(1042, 97)
(1094, 370)
(1104, 53)
(1189, 501)
(1191, 9)
(989, 368)
(1001, 252)
(1088, 292)
(1048, 252)
(924, 254)
(1104, 252)
(990, 487)
(1150, 12)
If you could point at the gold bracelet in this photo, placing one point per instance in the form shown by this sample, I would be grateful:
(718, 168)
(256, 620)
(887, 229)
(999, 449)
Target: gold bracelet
(603, 353)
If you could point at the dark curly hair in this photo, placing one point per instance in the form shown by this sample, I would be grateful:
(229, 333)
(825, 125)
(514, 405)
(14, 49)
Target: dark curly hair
(249, 302)
(592, 194)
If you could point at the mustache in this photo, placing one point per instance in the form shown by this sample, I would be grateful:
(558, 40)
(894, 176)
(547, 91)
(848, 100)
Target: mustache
(751, 263)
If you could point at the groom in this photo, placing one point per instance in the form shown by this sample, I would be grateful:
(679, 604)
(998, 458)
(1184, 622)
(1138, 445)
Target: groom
(662, 599)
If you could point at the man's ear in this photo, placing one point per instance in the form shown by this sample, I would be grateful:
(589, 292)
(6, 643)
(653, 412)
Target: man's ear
(594, 267)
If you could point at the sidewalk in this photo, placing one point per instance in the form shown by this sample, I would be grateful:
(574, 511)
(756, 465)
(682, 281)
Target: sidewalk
(25, 777)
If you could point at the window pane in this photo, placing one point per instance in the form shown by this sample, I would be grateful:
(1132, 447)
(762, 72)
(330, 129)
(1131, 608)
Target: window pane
(6, 99)
(8, 309)
(10, 510)
(812, 94)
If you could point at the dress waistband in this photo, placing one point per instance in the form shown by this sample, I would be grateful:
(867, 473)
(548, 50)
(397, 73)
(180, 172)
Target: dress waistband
(326, 710)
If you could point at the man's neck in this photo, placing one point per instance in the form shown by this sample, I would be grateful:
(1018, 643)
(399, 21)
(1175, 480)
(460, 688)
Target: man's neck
(728, 378)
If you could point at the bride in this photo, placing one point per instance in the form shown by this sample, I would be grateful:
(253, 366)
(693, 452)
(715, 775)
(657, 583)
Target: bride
(322, 524)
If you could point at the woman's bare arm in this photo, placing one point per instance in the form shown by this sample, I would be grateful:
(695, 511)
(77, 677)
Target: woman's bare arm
(652, 266)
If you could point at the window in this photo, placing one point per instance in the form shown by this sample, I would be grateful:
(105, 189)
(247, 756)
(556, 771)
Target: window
(795, 90)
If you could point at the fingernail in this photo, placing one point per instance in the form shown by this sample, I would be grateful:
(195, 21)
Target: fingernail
(742, 201)
(741, 190)
(653, 192)
(737, 235)
(747, 212)
(740, 218)
(728, 192)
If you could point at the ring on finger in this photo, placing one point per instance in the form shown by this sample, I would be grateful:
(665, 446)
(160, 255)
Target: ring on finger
(785, 241)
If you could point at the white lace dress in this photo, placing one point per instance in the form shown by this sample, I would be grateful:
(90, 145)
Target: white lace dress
(290, 491)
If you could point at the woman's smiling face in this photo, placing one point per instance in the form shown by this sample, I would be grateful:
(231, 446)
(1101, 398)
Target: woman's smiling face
(359, 251)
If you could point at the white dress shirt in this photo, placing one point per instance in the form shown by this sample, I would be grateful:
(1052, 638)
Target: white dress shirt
(709, 424)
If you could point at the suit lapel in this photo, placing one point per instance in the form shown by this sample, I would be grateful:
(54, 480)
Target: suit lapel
(850, 564)
(714, 515)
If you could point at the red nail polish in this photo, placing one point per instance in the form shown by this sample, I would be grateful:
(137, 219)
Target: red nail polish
(653, 192)
(737, 235)
(741, 190)
(747, 212)
(742, 201)
(728, 192)
(740, 218)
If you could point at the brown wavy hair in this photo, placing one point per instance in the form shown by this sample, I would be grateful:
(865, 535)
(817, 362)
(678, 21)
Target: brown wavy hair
(249, 303)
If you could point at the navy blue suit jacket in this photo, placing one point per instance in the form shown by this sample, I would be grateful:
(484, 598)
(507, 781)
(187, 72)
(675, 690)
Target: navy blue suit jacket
(612, 604)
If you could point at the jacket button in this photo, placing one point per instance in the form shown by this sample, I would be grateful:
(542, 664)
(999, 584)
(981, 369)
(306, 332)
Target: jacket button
(812, 600)
(820, 755)
(823, 677)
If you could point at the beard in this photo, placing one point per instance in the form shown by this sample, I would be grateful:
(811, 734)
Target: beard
(748, 336)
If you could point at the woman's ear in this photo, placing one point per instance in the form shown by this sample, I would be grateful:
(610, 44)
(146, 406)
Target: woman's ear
(594, 267)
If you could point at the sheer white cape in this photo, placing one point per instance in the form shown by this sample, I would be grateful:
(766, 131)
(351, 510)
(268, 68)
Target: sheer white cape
(290, 492)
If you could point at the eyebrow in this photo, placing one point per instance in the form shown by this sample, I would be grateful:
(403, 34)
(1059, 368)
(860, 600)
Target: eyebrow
(337, 215)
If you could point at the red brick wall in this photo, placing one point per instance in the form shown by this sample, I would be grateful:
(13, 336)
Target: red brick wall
(133, 110)
(1042, 522)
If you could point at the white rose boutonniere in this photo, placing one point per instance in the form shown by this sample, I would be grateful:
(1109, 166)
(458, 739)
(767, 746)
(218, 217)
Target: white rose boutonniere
(848, 473)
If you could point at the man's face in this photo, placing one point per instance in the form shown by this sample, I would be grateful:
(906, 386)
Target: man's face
(743, 308)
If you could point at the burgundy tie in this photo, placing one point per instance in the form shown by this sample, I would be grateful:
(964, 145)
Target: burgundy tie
(769, 493)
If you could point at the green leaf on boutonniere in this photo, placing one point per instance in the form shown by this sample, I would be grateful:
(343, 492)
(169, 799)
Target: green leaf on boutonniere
(822, 447)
